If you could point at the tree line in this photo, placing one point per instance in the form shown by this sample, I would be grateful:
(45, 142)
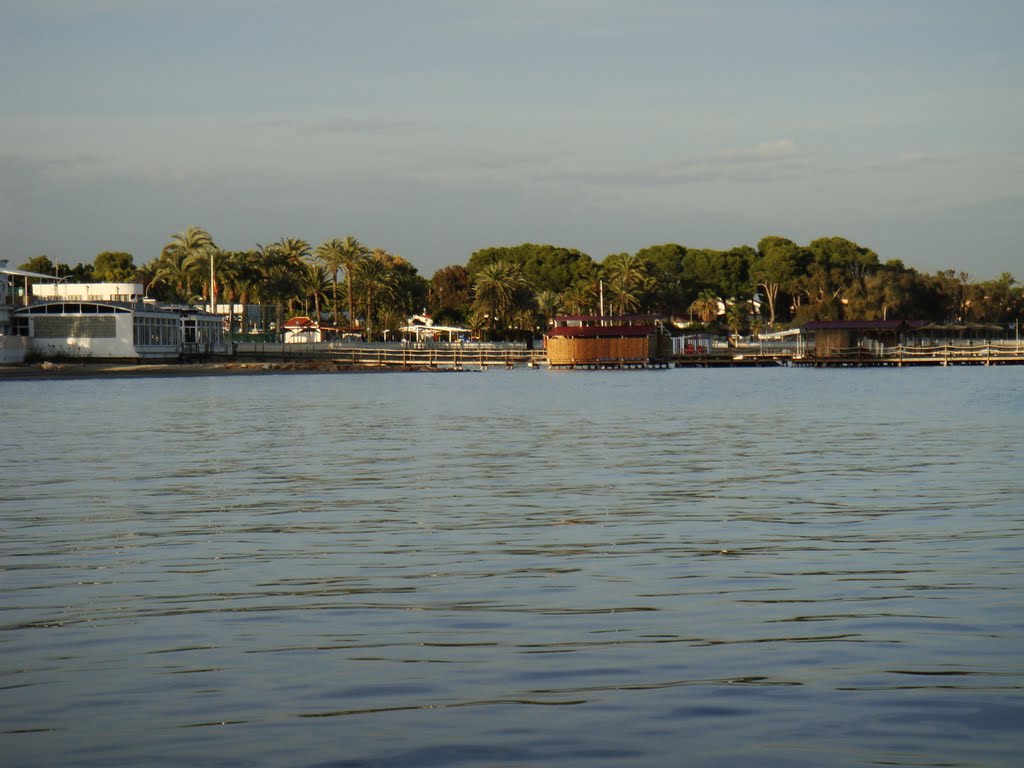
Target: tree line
(513, 292)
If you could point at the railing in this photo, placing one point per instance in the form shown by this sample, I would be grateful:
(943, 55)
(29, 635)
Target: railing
(945, 354)
(395, 355)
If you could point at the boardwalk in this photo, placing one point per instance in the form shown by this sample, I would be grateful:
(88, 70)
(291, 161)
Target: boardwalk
(904, 356)
(482, 357)
(442, 357)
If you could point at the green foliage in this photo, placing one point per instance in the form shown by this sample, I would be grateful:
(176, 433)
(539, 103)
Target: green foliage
(544, 267)
(671, 291)
(40, 264)
(389, 290)
(626, 283)
(736, 316)
(705, 306)
(513, 292)
(450, 295)
(778, 263)
(184, 263)
(114, 267)
(80, 273)
(501, 298)
(727, 273)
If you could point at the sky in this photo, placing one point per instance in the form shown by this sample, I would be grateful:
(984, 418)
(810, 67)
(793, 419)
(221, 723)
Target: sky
(434, 128)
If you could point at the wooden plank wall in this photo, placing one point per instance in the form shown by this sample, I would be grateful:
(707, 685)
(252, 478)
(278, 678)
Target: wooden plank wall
(581, 351)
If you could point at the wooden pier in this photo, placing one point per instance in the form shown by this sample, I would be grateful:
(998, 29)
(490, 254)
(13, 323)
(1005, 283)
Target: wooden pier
(862, 357)
(483, 357)
(905, 356)
(455, 358)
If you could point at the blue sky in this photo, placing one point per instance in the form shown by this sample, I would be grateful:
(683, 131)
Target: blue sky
(437, 127)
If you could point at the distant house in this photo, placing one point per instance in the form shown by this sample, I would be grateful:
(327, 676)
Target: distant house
(421, 329)
(112, 321)
(14, 292)
(831, 337)
(595, 340)
(303, 330)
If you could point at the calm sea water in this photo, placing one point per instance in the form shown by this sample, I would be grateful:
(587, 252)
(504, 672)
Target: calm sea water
(708, 568)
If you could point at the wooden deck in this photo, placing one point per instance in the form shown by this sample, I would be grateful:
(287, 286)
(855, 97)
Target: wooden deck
(380, 356)
(903, 356)
(862, 357)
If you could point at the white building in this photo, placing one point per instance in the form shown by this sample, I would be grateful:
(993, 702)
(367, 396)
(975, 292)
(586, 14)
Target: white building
(421, 328)
(113, 321)
(13, 293)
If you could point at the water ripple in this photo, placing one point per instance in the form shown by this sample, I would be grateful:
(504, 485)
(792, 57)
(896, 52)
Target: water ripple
(780, 568)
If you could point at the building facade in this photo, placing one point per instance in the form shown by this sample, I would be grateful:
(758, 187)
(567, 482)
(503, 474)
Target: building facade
(112, 321)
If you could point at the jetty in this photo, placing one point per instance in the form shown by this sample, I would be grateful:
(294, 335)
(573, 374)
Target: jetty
(439, 356)
(902, 356)
(482, 357)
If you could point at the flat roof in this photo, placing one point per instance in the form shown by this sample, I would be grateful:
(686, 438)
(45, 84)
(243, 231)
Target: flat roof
(23, 273)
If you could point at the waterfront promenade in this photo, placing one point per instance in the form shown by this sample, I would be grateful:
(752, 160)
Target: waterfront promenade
(462, 357)
(256, 358)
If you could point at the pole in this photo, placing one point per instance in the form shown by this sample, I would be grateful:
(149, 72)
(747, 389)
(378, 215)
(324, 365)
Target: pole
(600, 284)
(212, 305)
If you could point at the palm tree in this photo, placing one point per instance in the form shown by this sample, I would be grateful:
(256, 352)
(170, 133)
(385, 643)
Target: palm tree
(736, 318)
(579, 299)
(295, 253)
(314, 282)
(174, 277)
(352, 252)
(756, 325)
(228, 267)
(331, 253)
(373, 275)
(706, 306)
(244, 282)
(406, 292)
(277, 278)
(626, 277)
(495, 288)
(179, 257)
(549, 304)
(147, 275)
(623, 292)
(204, 266)
(294, 249)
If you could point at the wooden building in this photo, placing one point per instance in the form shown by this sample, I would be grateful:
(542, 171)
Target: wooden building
(833, 337)
(608, 341)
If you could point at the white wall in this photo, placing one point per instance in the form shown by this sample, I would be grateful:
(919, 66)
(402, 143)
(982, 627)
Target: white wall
(13, 349)
(122, 346)
(89, 291)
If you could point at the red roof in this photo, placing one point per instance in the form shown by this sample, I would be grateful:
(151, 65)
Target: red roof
(627, 319)
(602, 331)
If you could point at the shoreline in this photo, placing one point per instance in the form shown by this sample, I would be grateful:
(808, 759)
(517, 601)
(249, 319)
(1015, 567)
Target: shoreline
(80, 370)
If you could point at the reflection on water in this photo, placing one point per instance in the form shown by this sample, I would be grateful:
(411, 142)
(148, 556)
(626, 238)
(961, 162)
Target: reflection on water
(772, 568)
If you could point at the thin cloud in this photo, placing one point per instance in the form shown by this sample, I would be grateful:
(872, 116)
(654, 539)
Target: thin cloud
(767, 161)
(765, 152)
(901, 163)
(342, 124)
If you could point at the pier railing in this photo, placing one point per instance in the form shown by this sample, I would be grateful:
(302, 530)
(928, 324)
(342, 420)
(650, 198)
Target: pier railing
(945, 354)
(482, 356)
(395, 355)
